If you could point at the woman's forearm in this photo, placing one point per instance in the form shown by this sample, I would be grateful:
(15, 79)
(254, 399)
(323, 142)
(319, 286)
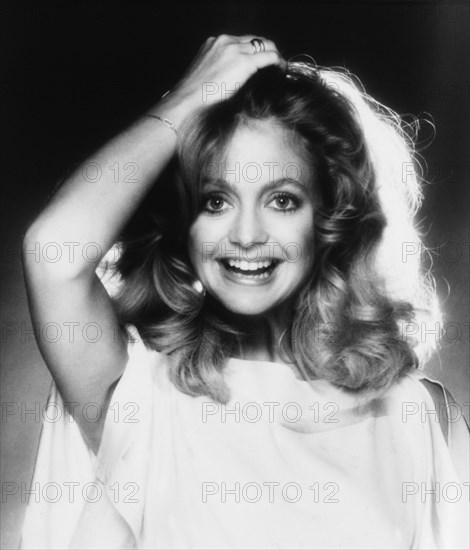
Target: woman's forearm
(93, 205)
(86, 215)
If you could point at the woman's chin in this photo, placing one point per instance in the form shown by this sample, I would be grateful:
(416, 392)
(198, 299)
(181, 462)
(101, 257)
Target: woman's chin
(247, 305)
(241, 308)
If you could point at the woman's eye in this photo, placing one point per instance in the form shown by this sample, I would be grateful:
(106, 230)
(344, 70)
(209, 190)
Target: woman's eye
(286, 202)
(283, 202)
(213, 204)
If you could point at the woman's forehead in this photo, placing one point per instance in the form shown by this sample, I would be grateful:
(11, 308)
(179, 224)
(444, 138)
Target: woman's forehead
(259, 152)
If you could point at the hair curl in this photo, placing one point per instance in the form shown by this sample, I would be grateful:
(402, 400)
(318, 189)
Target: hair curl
(351, 319)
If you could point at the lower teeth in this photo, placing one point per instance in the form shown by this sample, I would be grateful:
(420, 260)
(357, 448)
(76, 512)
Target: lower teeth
(261, 276)
(264, 275)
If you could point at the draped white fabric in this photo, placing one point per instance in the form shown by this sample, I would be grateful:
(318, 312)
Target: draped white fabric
(285, 464)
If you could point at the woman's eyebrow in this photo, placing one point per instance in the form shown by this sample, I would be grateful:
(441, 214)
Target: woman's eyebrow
(220, 182)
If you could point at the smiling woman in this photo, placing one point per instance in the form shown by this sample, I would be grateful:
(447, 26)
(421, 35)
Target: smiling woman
(275, 286)
(243, 218)
(283, 172)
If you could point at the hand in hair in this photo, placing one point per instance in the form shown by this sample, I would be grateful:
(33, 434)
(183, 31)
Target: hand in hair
(221, 66)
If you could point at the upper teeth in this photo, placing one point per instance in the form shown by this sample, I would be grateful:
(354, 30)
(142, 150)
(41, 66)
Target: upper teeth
(249, 266)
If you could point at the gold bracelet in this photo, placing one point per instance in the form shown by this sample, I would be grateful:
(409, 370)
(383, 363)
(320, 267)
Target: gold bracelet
(164, 121)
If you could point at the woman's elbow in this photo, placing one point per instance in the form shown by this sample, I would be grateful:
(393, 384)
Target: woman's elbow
(45, 254)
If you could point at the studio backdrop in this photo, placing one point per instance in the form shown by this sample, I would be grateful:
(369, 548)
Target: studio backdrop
(77, 73)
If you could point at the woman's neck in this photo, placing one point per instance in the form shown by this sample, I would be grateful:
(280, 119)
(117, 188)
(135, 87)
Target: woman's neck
(262, 333)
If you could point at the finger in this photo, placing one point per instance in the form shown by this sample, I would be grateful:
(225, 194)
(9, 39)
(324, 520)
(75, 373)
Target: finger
(246, 39)
(269, 45)
(264, 59)
(248, 48)
(243, 37)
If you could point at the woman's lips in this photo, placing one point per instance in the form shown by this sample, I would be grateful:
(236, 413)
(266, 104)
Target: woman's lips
(259, 275)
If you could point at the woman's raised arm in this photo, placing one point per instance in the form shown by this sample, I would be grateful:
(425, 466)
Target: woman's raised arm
(86, 354)
(75, 325)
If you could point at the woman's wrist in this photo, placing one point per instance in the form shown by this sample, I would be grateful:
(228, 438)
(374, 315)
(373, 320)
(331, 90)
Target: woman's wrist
(174, 107)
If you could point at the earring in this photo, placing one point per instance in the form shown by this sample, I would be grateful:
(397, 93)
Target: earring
(199, 287)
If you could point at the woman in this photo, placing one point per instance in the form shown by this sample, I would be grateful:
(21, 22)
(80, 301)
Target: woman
(255, 374)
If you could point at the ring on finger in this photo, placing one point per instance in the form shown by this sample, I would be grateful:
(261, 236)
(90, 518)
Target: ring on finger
(258, 45)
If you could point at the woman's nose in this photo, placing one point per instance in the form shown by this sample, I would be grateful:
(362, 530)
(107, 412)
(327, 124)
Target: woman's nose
(248, 228)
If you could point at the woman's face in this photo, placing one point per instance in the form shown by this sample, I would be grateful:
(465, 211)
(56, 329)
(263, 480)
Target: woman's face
(251, 244)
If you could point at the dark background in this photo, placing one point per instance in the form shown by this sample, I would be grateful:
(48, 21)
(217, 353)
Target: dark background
(75, 73)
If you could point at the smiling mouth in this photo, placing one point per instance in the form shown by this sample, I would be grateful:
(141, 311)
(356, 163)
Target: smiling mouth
(253, 270)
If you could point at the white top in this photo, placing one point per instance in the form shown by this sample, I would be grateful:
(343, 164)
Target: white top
(285, 464)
